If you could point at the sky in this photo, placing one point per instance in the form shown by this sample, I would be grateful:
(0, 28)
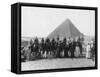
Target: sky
(40, 22)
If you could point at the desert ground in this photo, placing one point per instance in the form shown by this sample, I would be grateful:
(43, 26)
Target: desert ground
(56, 63)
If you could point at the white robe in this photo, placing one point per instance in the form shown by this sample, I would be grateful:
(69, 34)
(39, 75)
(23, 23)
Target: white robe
(88, 51)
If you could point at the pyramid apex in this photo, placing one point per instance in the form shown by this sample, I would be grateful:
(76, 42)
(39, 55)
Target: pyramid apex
(68, 20)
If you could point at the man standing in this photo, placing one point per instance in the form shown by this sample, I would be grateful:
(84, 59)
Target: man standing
(57, 47)
(36, 47)
(77, 48)
(53, 47)
(64, 46)
(47, 47)
(72, 47)
(42, 47)
(88, 51)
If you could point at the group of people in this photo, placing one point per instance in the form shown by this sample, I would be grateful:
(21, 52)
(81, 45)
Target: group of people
(52, 48)
(90, 50)
(49, 48)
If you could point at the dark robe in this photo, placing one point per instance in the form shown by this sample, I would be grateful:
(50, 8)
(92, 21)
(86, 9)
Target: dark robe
(72, 48)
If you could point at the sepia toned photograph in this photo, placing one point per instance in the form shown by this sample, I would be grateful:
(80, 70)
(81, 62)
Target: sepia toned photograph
(57, 38)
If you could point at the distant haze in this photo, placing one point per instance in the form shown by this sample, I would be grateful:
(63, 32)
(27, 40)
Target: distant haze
(40, 22)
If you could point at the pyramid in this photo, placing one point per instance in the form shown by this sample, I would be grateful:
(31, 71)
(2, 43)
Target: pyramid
(65, 29)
